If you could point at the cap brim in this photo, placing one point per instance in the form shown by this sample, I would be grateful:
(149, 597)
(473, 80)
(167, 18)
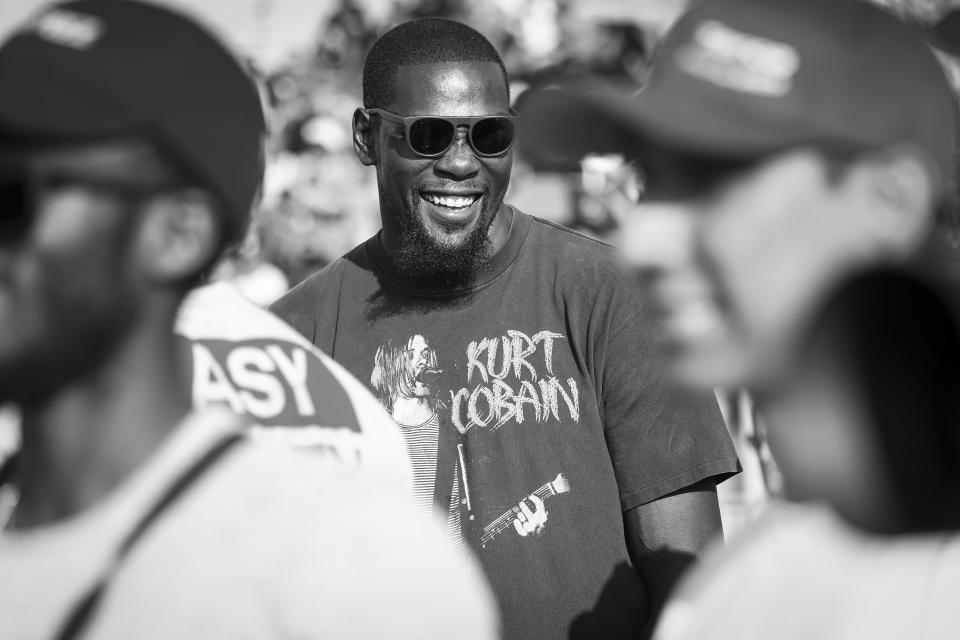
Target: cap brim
(38, 104)
(594, 117)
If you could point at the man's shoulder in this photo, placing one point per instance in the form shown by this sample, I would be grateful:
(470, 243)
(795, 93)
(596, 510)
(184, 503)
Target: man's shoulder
(572, 250)
(300, 303)
(550, 231)
(583, 265)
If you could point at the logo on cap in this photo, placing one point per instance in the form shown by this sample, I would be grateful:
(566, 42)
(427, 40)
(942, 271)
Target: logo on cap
(739, 61)
(69, 28)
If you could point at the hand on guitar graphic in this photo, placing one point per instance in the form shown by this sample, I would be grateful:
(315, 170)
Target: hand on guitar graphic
(524, 519)
(530, 520)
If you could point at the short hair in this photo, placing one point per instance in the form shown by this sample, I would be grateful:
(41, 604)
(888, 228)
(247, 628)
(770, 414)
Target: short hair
(423, 41)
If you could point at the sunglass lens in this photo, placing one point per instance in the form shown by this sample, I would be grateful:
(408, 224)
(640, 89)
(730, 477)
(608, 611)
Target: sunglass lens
(492, 136)
(431, 136)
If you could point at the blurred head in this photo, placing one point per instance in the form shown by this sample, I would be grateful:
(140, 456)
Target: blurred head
(89, 233)
(777, 156)
(112, 203)
(437, 211)
(868, 417)
(319, 206)
(733, 253)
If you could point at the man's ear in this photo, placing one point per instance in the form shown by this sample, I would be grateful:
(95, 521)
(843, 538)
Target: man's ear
(363, 137)
(901, 186)
(179, 236)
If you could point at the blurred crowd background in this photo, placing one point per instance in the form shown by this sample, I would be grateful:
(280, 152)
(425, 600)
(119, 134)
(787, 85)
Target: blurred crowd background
(319, 201)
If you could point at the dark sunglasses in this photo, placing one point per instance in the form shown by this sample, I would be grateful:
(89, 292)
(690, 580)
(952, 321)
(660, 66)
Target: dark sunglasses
(431, 136)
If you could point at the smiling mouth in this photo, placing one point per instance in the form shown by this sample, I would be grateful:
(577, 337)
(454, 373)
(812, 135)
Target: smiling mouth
(454, 203)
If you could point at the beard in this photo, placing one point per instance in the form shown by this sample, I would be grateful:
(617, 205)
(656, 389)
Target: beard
(421, 255)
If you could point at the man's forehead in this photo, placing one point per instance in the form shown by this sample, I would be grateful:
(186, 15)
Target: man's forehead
(451, 88)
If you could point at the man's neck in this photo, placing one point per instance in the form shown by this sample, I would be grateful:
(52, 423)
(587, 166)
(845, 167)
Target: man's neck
(500, 229)
(84, 441)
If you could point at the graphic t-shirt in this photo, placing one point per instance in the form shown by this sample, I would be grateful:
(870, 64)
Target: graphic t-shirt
(542, 376)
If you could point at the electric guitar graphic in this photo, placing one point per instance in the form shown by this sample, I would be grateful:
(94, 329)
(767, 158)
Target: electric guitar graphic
(559, 485)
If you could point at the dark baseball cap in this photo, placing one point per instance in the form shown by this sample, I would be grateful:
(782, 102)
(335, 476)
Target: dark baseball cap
(97, 69)
(744, 78)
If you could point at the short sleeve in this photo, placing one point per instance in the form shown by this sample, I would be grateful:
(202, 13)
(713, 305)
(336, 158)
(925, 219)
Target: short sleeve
(661, 439)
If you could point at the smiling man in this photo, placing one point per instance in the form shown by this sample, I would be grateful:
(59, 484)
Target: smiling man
(546, 439)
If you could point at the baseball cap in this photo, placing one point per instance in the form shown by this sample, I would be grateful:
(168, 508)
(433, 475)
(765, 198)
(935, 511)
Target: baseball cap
(744, 78)
(96, 69)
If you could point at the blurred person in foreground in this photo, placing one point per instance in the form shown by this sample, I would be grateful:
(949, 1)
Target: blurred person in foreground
(127, 164)
(779, 157)
(513, 355)
(866, 418)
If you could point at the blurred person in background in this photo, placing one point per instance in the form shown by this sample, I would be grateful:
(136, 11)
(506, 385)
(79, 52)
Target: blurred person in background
(126, 166)
(778, 157)
(534, 418)
(327, 206)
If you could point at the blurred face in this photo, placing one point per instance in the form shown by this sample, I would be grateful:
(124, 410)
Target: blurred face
(437, 212)
(66, 298)
(732, 256)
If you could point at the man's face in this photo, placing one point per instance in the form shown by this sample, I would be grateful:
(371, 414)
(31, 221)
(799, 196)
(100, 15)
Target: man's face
(732, 257)
(417, 352)
(65, 294)
(419, 355)
(437, 211)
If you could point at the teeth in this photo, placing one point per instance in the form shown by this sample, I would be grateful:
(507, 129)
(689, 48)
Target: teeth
(449, 201)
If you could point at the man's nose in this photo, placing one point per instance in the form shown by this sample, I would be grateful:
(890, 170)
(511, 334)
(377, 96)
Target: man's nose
(659, 236)
(459, 161)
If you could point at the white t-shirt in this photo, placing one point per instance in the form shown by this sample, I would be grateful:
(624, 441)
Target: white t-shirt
(801, 573)
(248, 359)
(266, 544)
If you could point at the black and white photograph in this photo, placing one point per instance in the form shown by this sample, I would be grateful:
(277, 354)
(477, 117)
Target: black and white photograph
(480, 319)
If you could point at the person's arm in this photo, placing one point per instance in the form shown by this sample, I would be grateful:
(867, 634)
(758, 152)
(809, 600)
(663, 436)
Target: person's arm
(665, 536)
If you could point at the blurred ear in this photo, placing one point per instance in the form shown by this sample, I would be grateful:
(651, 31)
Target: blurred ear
(900, 186)
(363, 134)
(179, 236)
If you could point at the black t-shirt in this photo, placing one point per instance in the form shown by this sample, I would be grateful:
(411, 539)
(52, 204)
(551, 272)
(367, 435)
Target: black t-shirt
(542, 378)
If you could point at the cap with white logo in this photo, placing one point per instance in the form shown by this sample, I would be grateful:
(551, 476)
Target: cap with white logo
(95, 69)
(743, 78)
